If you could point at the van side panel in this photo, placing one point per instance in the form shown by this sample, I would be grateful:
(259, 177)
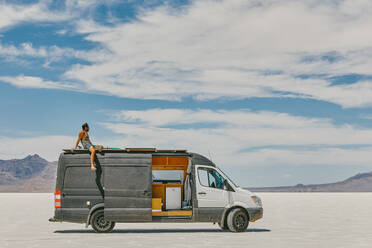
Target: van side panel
(128, 187)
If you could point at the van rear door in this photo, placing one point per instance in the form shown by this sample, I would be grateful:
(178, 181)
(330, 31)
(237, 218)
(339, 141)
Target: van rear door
(128, 187)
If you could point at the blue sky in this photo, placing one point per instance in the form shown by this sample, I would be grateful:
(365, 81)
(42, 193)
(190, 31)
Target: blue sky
(278, 92)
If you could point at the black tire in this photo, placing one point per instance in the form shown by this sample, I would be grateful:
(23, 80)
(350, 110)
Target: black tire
(99, 224)
(223, 227)
(237, 220)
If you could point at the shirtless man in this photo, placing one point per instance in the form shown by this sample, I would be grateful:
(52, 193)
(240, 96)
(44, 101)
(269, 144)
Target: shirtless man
(87, 144)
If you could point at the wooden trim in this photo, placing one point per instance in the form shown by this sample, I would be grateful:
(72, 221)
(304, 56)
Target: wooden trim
(173, 213)
(169, 167)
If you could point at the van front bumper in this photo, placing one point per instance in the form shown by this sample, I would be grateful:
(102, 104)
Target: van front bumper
(255, 214)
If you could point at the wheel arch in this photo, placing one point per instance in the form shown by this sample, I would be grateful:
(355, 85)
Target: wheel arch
(228, 210)
(92, 210)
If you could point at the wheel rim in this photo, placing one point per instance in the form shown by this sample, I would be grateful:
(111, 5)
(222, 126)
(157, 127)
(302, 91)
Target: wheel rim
(240, 221)
(101, 223)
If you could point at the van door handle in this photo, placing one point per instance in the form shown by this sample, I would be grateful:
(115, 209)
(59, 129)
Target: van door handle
(202, 193)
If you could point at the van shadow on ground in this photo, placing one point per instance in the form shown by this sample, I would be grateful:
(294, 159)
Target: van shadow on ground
(162, 230)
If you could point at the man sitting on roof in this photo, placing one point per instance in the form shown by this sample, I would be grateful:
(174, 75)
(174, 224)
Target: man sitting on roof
(87, 144)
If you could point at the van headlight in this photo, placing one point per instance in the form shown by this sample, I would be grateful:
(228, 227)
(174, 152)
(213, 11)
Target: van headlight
(257, 200)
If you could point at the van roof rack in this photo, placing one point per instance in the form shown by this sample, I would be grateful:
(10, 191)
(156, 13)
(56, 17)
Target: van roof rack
(128, 150)
(140, 149)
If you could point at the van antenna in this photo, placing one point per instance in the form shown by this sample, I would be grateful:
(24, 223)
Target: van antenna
(210, 157)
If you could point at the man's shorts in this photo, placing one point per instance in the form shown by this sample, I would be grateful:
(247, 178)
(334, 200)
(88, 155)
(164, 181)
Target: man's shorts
(87, 146)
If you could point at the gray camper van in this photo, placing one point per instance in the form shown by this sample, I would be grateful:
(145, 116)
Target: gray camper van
(149, 185)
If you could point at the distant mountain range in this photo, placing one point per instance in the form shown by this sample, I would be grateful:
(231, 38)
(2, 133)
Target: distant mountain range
(35, 174)
(31, 174)
(361, 182)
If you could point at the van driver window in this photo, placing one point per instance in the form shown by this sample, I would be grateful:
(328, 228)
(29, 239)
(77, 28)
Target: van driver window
(203, 177)
(210, 178)
(219, 180)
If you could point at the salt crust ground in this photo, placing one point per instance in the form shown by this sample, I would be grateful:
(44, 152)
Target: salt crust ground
(290, 220)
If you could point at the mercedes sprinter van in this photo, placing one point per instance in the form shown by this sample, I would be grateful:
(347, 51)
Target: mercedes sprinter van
(149, 185)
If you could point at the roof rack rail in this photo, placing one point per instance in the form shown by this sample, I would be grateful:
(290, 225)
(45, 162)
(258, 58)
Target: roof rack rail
(140, 149)
(171, 151)
(150, 150)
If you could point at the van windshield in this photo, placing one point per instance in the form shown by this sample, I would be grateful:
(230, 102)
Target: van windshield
(223, 173)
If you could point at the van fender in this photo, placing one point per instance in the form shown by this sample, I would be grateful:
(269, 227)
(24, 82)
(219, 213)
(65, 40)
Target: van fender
(94, 208)
(228, 208)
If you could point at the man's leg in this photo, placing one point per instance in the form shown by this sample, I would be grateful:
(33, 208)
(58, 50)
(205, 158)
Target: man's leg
(92, 154)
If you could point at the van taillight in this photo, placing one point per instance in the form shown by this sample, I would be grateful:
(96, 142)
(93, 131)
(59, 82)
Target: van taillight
(57, 199)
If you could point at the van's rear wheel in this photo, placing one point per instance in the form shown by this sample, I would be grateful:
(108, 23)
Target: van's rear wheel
(237, 220)
(100, 224)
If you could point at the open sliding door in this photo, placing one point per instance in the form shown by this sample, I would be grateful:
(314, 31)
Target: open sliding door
(128, 187)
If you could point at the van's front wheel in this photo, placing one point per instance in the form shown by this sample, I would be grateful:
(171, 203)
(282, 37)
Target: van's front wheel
(237, 220)
(223, 227)
(99, 223)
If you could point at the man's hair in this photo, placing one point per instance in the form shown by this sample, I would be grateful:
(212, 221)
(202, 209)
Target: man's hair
(84, 125)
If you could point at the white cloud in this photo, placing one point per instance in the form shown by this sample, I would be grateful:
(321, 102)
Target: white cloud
(35, 82)
(229, 49)
(243, 137)
(62, 31)
(215, 49)
(84, 4)
(13, 14)
(49, 53)
(48, 147)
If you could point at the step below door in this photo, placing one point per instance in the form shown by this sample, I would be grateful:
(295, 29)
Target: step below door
(128, 187)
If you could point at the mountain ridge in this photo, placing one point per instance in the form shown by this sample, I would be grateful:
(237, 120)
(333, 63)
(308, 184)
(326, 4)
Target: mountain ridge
(30, 174)
(361, 182)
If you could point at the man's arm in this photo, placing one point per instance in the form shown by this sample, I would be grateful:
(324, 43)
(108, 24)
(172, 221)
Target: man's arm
(80, 136)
